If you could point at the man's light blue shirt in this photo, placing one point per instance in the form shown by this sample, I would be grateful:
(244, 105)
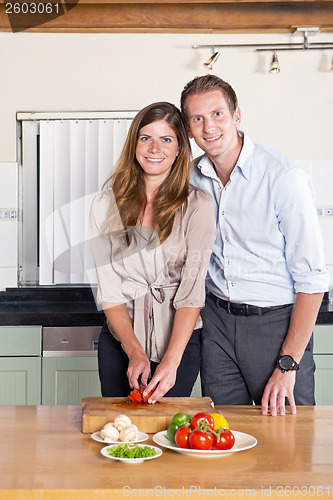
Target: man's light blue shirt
(269, 245)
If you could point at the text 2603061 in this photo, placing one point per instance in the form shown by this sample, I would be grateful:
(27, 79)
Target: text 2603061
(32, 8)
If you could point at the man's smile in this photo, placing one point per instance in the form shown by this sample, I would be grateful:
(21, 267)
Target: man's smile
(212, 139)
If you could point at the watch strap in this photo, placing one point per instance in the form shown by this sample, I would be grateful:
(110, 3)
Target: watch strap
(292, 364)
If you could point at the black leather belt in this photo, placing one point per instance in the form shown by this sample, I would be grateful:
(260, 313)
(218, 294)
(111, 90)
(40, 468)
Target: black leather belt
(244, 309)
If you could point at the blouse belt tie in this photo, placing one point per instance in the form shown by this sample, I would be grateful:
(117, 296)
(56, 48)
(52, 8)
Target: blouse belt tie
(155, 320)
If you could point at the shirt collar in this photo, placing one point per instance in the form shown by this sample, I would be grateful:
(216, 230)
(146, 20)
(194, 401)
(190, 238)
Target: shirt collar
(206, 167)
(243, 162)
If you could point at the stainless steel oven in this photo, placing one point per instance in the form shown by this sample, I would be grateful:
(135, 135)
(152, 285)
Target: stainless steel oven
(70, 341)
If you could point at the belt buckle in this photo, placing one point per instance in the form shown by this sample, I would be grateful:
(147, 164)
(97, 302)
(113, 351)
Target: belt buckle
(229, 310)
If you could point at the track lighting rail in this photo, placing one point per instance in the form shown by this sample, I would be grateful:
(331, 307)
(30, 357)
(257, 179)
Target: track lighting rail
(270, 47)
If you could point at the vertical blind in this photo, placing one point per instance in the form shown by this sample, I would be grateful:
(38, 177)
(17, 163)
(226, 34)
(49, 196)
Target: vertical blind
(76, 157)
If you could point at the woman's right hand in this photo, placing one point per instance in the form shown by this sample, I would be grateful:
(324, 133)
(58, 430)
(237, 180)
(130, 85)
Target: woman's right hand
(118, 317)
(138, 367)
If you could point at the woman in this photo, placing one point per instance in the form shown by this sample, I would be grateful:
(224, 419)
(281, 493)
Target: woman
(152, 235)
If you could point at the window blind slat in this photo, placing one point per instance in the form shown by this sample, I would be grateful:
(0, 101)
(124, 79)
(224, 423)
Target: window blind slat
(77, 193)
(46, 254)
(61, 201)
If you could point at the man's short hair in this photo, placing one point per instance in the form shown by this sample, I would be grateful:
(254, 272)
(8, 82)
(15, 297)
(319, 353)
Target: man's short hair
(208, 83)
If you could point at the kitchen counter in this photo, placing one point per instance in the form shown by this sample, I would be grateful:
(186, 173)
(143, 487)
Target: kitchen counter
(49, 306)
(325, 315)
(43, 455)
(71, 306)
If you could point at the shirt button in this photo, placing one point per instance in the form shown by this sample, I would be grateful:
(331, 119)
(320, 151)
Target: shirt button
(226, 238)
(222, 213)
(228, 262)
(232, 283)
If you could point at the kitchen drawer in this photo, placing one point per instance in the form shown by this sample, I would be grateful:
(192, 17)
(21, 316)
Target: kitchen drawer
(323, 339)
(20, 341)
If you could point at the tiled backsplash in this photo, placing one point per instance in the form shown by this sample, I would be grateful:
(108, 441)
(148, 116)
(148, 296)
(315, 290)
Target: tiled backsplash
(320, 171)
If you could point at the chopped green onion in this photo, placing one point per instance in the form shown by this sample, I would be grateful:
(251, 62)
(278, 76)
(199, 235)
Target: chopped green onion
(131, 451)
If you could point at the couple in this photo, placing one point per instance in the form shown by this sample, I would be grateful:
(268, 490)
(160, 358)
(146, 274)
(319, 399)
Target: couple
(246, 214)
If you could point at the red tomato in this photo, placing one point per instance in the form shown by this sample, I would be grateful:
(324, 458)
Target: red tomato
(145, 398)
(135, 396)
(200, 440)
(227, 440)
(182, 437)
(204, 418)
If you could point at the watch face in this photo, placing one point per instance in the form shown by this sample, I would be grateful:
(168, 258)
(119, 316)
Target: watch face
(286, 362)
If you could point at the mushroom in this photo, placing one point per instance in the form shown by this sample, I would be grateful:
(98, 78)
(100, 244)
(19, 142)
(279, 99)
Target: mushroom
(129, 433)
(109, 432)
(121, 421)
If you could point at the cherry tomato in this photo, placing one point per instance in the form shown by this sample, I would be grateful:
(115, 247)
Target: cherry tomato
(200, 440)
(145, 398)
(135, 396)
(182, 437)
(205, 418)
(227, 440)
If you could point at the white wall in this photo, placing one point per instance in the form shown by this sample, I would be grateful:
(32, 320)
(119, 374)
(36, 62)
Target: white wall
(291, 111)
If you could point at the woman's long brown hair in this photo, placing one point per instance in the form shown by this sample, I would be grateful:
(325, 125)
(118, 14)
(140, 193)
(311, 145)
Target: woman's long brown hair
(127, 181)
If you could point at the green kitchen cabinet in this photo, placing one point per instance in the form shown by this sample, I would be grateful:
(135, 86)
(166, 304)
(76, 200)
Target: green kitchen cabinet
(323, 355)
(20, 381)
(20, 365)
(66, 380)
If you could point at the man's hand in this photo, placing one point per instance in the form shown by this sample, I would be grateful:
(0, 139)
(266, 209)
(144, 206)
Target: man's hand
(279, 387)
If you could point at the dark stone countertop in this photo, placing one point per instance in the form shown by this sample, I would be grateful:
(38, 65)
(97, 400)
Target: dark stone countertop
(49, 306)
(325, 315)
(72, 306)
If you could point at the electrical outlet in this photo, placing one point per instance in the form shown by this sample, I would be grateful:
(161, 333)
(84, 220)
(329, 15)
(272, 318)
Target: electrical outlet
(8, 214)
(325, 211)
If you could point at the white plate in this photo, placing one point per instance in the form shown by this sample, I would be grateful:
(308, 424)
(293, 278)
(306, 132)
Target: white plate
(242, 442)
(142, 436)
(105, 453)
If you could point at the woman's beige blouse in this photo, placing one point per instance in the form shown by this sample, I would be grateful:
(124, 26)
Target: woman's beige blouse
(154, 280)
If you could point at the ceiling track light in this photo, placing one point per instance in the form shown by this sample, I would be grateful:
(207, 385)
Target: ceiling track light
(212, 60)
(275, 66)
(272, 47)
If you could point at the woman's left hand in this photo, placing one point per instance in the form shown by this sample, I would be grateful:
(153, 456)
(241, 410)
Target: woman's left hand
(163, 379)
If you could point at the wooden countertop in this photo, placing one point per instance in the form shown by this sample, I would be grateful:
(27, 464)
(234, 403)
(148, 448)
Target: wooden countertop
(44, 456)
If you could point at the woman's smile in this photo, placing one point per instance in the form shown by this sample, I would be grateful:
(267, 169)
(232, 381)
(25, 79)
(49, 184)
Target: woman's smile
(157, 149)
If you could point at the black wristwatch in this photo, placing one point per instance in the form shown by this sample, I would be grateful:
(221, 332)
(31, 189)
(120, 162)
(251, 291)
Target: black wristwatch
(287, 363)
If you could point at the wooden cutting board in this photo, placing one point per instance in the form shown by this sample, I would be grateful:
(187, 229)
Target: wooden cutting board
(150, 418)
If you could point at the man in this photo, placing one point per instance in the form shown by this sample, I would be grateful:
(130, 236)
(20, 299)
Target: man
(267, 275)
